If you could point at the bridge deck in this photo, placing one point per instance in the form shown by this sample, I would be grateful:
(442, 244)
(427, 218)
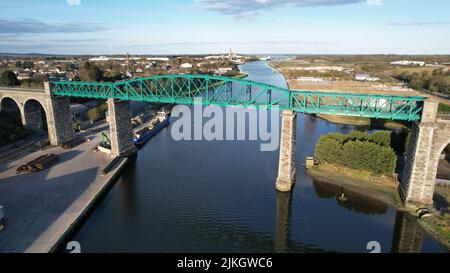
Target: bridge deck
(224, 91)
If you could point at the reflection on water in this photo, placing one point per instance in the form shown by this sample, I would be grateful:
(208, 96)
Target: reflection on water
(408, 236)
(219, 196)
(283, 221)
(356, 201)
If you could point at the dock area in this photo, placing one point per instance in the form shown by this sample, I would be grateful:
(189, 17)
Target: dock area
(42, 207)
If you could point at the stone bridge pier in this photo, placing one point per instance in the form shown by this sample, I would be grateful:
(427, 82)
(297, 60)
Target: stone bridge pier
(59, 118)
(428, 138)
(286, 167)
(120, 128)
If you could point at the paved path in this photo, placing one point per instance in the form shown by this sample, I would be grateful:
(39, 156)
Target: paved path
(41, 206)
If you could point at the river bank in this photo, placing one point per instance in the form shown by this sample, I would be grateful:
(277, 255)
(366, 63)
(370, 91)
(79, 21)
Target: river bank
(362, 121)
(384, 189)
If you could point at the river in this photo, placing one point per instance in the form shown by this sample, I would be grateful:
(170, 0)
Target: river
(219, 196)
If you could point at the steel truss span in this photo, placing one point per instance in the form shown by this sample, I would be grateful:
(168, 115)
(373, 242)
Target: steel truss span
(225, 91)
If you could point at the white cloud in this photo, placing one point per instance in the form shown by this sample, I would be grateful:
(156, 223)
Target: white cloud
(249, 8)
(374, 2)
(73, 2)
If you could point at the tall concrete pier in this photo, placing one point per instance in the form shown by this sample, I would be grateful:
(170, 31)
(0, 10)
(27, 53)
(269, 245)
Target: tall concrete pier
(120, 128)
(427, 141)
(286, 167)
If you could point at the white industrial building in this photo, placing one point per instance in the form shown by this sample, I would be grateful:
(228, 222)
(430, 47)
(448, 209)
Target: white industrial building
(366, 78)
(186, 65)
(407, 63)
(309, 79)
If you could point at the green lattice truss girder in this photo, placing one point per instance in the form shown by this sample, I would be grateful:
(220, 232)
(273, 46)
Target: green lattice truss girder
(224, 91)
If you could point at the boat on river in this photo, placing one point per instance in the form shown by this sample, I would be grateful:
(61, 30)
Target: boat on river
(156, 125)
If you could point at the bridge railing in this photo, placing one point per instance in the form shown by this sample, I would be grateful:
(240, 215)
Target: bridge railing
(443, 115)
(22, 89)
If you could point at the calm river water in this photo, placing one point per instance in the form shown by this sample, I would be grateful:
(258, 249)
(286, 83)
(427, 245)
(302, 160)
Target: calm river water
(219, 196)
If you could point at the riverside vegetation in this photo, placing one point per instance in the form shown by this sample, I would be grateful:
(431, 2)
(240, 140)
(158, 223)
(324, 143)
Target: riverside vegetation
(367, 163)
(359, 151)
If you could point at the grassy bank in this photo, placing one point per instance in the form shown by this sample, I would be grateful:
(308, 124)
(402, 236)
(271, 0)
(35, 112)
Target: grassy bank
(383, 189)
(438, 227)
(361, 121)
(346, 120)
(241, 75)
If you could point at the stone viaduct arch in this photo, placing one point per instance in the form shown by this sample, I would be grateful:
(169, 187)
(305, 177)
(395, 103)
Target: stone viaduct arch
(57, 111)
(11, 108)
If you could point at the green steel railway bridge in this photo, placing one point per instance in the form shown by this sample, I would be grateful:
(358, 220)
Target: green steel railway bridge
(224, 91)
(429, 134)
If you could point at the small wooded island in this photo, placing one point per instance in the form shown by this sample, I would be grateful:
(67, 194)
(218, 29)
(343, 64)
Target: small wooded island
(371, 164)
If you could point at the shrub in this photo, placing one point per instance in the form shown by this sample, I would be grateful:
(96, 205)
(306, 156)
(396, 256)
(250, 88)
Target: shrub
(329, 150)
(358, 150)
(358, 135)
(382, 138)
(339, 137)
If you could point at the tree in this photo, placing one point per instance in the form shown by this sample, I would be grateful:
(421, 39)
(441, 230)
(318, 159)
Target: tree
(94, 114)
(382, 138)
(358, 135)
(90, 72)
(8, 78)
(28, 64)
(329, 150)
(358, 150)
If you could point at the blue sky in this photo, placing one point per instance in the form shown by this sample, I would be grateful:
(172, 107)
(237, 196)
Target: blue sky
(214, 26)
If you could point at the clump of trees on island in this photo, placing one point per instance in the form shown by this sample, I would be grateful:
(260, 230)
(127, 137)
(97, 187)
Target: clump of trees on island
(375, 153)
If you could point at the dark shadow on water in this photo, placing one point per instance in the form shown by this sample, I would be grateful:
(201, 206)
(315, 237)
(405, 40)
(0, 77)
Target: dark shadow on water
(355, 201)
(127, 193)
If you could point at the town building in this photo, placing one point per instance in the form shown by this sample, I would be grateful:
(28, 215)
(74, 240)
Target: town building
(408, 63)
(366, 77)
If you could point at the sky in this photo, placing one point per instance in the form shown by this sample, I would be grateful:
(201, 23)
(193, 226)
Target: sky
(155, 27)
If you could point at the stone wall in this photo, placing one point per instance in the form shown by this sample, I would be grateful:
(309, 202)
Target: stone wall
(286, 167)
